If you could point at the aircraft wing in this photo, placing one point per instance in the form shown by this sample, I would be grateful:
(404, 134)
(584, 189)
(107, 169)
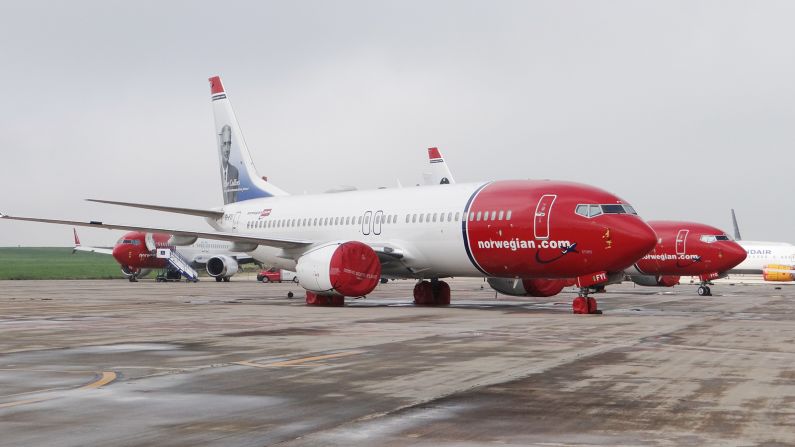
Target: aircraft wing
(80, 247)
(232, 237)
(214, 214)
(103, 251)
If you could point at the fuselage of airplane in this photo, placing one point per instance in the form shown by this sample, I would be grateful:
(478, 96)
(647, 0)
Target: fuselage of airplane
(518, 228)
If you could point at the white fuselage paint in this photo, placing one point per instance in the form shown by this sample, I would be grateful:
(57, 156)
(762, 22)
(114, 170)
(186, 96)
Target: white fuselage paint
(431, 249)
(762, 254)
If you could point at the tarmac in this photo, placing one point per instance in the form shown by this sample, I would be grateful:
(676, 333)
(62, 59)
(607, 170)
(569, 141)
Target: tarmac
(239, 363)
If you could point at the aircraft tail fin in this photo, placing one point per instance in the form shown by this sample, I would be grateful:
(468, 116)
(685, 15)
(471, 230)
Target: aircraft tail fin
(440, 173)
(736, 227)
(239, 178)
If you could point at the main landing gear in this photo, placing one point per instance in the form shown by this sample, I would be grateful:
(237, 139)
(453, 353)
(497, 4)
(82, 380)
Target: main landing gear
(704, 290)
(432, 293)
(584, 304)
(313, 299)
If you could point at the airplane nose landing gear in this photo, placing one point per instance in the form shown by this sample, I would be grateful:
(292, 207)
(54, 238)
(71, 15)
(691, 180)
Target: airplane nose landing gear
(704, 290)
(584, 304)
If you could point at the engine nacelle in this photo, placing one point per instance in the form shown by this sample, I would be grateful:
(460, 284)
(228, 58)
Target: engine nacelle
(774, 272)
(655, 281)
(139, 274)
(345, 268)
(528, 287)
(222, 266)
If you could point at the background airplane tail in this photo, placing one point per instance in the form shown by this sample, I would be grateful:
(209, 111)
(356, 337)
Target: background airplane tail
(440, 173)
(737, 236)
(239, 178)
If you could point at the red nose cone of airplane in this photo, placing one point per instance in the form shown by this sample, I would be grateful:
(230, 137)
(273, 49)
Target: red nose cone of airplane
(732, 255)
(120, 254)
(629, 239)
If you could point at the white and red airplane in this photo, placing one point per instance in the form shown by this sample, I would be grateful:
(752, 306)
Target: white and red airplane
(341, 244)
(138, 253)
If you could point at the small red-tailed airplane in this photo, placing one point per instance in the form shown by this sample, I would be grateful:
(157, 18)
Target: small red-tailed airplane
(682, 249)
(341, 244)
(138, 253)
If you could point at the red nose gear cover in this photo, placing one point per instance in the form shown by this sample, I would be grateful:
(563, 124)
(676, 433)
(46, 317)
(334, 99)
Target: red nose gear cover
(354, 269)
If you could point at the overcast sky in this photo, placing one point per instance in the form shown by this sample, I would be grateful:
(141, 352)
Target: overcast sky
(685, 109)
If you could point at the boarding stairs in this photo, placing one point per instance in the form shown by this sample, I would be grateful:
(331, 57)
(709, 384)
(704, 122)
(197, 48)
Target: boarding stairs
(178, 263)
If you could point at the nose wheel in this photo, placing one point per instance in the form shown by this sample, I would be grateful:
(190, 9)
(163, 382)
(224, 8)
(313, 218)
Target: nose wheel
(585, 304)
(704, 290)
(432, 293)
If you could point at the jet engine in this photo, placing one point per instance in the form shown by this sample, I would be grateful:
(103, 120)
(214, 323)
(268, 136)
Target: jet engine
(139, 274)
(528, 287)
(222, 266)
(773, 273)
(655, 281)
(344, 268)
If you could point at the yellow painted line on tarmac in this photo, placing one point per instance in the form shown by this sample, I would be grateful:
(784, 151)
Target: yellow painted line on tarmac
(301, 361)
(22, 402)
(106, 378)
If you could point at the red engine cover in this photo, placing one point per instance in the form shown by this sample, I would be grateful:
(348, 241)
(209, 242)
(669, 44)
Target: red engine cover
(354, 269)
(544, 287)
(668, 281)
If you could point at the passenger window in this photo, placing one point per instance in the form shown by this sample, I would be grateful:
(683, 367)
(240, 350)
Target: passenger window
(407, 218)
(471, 216)
(456, 216)
(421, 215)
(477, 218)
(360, 220)
(434, 217)
(450, 216)
(347, 220)
(493, 215)
(428, 218)
(501, 215)
(508, 216)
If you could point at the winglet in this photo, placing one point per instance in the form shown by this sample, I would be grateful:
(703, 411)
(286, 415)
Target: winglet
(77, 239)
(215, 85)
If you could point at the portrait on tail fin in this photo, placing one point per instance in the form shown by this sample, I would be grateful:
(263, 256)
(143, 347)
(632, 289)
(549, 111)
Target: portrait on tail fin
(229, 174)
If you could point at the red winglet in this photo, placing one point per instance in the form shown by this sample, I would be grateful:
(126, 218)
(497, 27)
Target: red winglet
(77, 239)
(215, 85)
(433, 153)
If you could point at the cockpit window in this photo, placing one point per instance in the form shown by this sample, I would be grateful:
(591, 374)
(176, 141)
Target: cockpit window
(709, 238)
(595, 210)
(613, 209)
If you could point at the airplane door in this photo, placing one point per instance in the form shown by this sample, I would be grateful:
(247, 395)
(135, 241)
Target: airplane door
(377, 221)
(681, 241)
(366, 222)
(542, 215)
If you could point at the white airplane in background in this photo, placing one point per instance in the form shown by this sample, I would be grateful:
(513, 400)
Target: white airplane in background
(341, 244)
(773, 260)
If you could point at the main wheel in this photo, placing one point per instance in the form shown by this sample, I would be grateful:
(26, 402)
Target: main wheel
(709, 291)
(227, 279)
(218, 279)
(265, 279)
(702, 291)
